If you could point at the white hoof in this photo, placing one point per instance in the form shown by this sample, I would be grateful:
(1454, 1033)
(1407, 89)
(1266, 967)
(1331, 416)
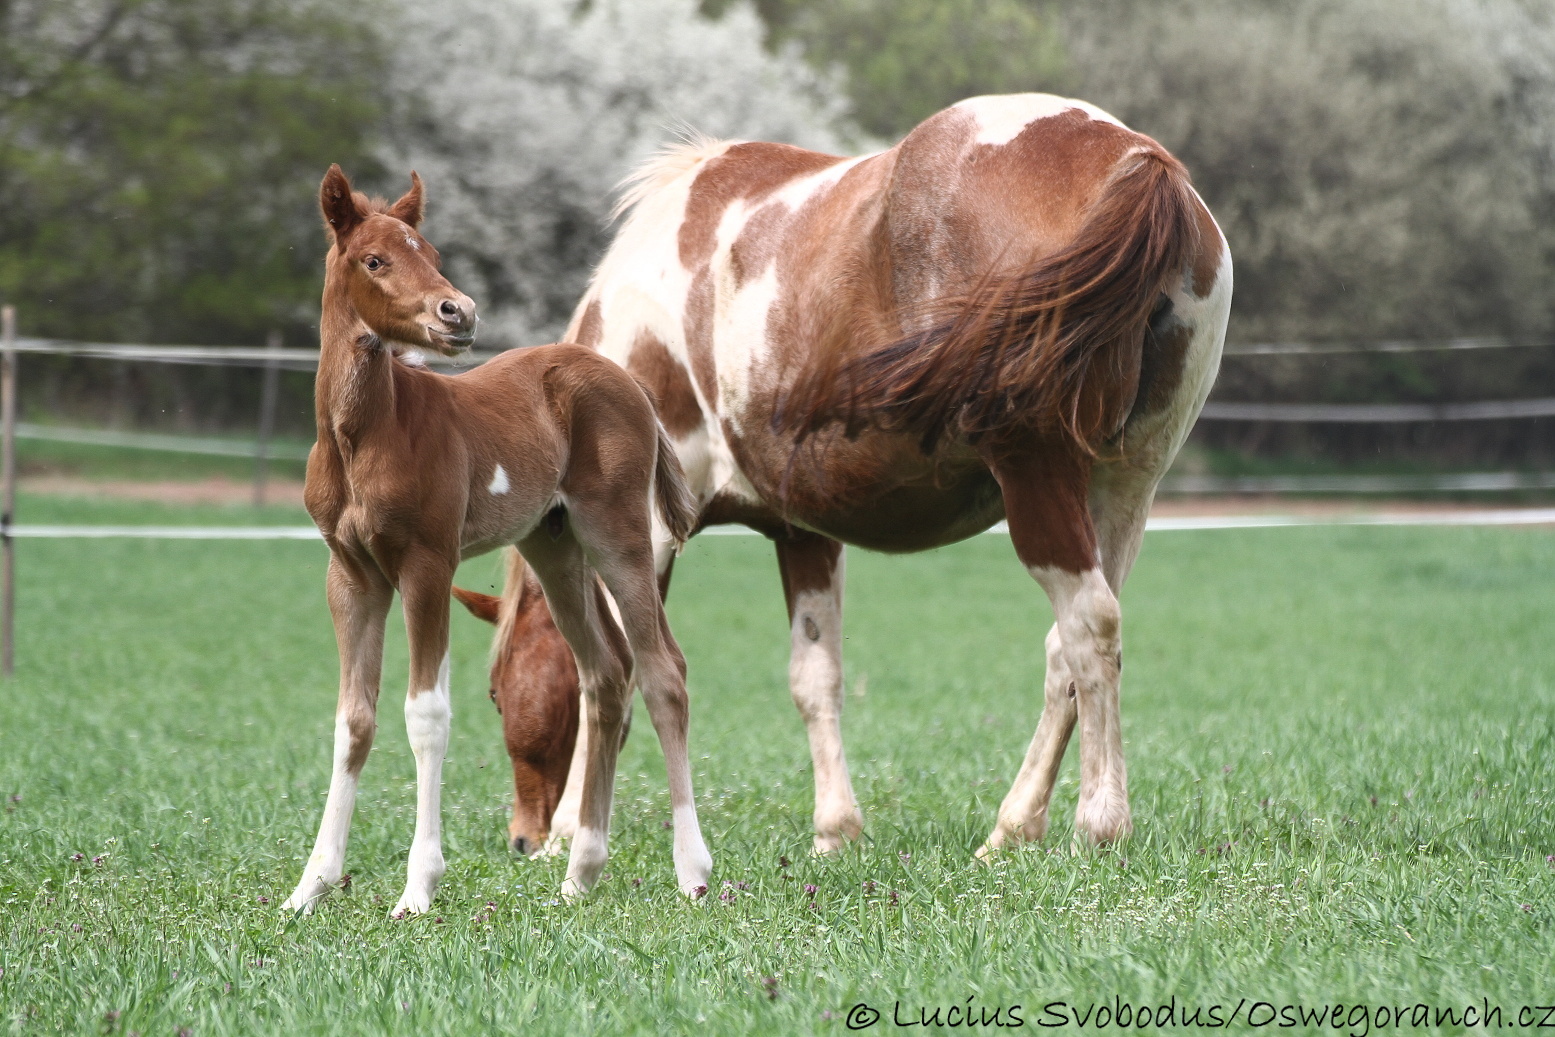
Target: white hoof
(413, 902)
(307, 895)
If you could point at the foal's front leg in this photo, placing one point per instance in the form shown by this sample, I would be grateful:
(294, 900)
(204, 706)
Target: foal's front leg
(425, 581)
(359, 600)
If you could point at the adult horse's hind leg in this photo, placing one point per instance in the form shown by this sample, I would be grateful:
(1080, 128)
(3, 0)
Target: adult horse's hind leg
(1023, 815)
(359, 599)
(1045, 490)
(812, 568)
(581, 613)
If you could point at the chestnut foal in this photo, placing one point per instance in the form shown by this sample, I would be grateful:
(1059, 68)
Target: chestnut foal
(554, 449)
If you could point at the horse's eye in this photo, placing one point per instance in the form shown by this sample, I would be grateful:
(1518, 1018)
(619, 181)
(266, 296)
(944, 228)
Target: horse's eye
(373, 263)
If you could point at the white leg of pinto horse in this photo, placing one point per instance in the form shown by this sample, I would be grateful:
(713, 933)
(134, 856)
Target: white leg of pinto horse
(813, 572)
(1047, 504)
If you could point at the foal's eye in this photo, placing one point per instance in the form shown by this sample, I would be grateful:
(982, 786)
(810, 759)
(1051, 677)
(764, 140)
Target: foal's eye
(373, 263)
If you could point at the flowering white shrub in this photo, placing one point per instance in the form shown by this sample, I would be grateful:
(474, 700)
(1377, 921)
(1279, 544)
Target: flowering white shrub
(523, 116)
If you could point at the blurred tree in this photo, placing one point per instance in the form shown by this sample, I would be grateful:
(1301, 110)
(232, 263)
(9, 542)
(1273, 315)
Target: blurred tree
(524, 115)
(907, 59)
(157, 158)
(1382, 168)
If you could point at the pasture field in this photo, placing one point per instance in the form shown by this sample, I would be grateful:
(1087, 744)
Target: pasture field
(1341, 743)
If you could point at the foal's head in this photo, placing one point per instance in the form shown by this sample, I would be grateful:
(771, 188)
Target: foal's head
(388, 271)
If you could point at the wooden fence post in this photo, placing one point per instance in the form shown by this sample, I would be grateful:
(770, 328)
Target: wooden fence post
(8, 482)
(266, 419)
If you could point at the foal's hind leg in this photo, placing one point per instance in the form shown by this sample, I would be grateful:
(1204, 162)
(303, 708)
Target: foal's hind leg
(625, 562)
(1045, 495)
(581, 613)
(812, 568)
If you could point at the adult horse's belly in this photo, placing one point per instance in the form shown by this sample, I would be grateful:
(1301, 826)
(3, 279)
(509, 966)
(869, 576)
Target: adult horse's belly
(878, 491)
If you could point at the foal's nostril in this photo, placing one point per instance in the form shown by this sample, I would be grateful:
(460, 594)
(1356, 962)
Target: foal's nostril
(521, 846)
(449, 311)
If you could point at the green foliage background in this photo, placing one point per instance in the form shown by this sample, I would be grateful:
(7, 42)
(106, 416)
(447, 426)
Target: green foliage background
(156, 157)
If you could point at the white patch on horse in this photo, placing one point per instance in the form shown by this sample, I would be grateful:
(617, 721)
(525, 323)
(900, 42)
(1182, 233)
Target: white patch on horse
(410, 239)
(815, 682)
(428, 717)
(499, 482)
(327, 861)
(1001, 118)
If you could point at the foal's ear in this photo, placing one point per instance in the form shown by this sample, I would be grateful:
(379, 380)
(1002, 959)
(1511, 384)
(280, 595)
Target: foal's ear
(412, 204)
(338, 203)
(481, 606)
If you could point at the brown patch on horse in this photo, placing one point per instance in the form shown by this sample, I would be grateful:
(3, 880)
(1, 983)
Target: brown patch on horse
(1161, 362)
(1054, 350)
(807, 562)
(757, 246)
(667, 382)
(698, 324)
(1206, 266)
(749, 171)
(591, 326)
(1045, 482)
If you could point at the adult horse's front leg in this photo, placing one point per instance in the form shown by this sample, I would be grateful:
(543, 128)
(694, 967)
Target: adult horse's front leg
(812, 568)
(359, 600)
(1045, 490)
(425, 579)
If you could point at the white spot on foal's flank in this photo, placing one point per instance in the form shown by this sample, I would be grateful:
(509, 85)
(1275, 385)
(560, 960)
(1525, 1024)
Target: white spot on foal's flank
(499, 482)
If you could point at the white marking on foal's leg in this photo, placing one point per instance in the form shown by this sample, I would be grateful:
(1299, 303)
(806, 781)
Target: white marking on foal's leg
(327, 861)
(428, 717)
(815, 681)
(1090, 628)
(564, 823)
(499, 482)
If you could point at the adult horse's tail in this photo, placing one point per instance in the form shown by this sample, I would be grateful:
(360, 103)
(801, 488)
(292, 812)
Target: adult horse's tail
(1052, 349)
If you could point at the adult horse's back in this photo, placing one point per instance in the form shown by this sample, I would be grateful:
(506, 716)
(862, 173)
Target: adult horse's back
(1015, 313)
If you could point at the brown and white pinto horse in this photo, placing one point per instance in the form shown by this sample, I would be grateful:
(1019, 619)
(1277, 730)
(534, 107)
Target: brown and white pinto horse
(1015, 313)
(555, 449)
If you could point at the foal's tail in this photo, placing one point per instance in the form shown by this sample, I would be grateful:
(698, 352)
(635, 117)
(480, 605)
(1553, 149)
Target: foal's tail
(677, 506)
(1054, 349)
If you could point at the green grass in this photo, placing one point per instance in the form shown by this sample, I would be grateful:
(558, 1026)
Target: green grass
(1340, 741)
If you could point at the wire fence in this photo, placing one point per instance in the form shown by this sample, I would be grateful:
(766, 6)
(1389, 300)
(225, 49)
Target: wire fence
(273, 358)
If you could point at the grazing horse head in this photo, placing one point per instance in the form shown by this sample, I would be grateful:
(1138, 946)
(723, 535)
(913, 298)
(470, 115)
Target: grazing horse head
(389, 272)
(534, 684)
